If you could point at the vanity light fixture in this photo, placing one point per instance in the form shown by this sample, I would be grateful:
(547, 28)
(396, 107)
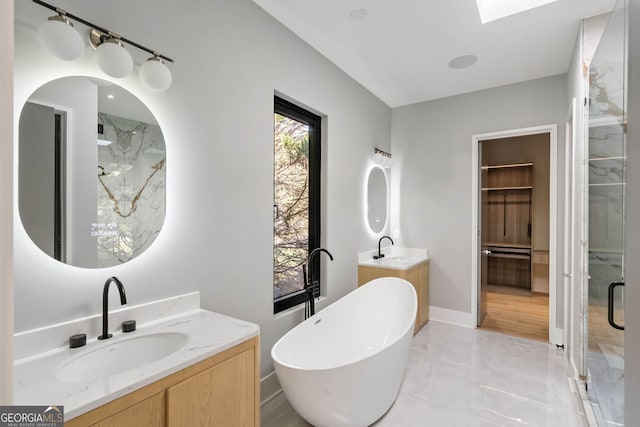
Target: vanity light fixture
(111, 56)
(382, 158)
(61, 39)
(155, 75)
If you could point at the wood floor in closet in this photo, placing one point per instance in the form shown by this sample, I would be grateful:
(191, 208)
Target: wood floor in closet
(519, 315)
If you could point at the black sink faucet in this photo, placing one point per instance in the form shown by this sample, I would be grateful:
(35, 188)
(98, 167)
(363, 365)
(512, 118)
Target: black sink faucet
(311, 284)
(105, 305)
(381, 255)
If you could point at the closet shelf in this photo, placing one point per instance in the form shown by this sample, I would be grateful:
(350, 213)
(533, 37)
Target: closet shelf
(508, 245)
(526, 187)
(511, 256)
(512, 165)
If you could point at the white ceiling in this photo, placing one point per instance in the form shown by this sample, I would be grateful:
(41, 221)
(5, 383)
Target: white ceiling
(401, 49)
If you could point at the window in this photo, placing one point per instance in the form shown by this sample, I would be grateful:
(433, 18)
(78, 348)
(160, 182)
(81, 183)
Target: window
(296, 200)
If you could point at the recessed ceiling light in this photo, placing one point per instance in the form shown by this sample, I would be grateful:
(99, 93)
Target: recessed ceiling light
(464, 61)
(490, 10)
(110, 96)
(358, 14)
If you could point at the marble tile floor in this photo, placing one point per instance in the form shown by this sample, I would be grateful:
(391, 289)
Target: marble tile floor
(459, 376)
(606, 387)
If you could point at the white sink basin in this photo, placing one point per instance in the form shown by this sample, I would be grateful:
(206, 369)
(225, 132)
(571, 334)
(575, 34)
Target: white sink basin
(396, 258)
(398, 262)
(394, 262)
(120, 356)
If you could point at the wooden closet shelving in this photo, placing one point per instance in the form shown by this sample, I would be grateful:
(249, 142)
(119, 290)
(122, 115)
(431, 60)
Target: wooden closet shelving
(507, 191)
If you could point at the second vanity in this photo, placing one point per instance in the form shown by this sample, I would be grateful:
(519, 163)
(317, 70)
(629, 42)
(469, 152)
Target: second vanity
(194, 368)
(410, 264)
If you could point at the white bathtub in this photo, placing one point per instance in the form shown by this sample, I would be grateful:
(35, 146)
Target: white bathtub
(344, 366)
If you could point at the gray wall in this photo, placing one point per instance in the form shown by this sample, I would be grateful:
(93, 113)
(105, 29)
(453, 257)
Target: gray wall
(432, 172)
(632, 273)
(35, 186)
(217, 119)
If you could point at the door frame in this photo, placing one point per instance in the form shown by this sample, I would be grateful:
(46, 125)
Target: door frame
(572, 277)
(555, 333)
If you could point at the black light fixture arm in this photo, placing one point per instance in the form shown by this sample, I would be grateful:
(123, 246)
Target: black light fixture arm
(101, 29)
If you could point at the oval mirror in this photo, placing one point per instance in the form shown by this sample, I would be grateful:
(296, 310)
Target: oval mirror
(377, 199)
(91, 172)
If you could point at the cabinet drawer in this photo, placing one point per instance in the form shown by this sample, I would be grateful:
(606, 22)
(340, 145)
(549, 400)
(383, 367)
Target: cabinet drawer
(148, 413)
(223, 395)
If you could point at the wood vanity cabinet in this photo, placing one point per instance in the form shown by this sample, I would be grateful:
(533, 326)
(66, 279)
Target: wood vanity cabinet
(149, 412)
(223, 390)
(223, 395)
(417, 275)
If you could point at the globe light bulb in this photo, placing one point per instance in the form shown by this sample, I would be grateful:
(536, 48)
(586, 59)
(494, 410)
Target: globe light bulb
(113, 58)
(58, 37)
(155, 75)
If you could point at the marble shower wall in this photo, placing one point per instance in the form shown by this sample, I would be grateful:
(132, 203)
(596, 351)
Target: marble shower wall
(131, 189)
(607, 157)
(606, 208)
(607, 166)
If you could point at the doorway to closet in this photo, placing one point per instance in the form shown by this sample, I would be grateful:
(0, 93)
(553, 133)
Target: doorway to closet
(514, 235)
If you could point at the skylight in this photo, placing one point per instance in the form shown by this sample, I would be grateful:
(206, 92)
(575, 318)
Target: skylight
(490, 10)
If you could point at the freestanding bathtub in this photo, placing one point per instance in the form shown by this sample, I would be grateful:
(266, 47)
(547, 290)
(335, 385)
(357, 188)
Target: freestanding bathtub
(344, 365)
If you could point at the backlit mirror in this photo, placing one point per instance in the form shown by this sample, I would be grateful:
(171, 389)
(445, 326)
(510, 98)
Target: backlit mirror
(377, 199)
(91, 172)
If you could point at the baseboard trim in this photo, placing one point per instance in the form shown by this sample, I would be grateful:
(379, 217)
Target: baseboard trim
(583, 400)
(269, 387)
(453, 317)
(574, 368)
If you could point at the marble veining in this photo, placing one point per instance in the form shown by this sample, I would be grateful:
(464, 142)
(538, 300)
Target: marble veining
(131, 188)
(606, 141)
(35, 381)
(607, 169)
(459, 376)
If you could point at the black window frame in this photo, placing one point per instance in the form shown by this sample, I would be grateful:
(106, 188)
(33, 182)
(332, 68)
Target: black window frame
(288, 109)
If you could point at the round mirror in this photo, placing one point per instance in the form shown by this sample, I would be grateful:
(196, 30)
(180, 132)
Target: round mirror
(91, 172)
(377, 199)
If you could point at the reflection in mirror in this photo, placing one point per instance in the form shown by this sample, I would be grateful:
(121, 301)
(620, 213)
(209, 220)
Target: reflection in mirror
(91, 172)
(377, 199)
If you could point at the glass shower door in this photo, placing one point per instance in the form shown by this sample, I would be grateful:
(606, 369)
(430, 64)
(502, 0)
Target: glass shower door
(607, 158)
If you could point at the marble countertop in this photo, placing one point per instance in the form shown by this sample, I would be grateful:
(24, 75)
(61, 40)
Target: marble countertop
(395, 258)
(208, 333)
